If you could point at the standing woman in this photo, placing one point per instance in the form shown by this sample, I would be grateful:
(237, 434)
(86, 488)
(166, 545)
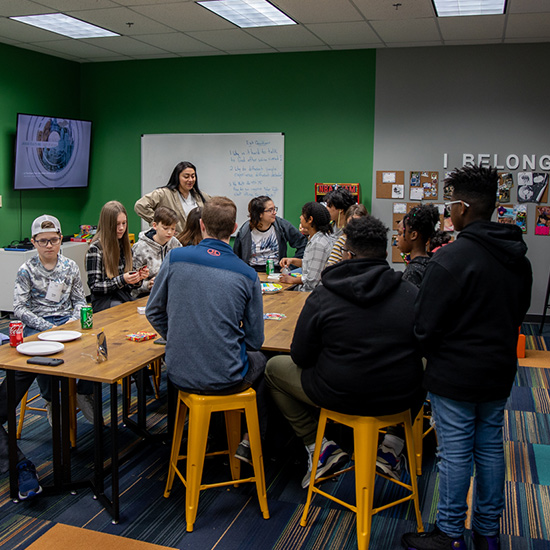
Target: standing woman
(181, 193)
(109, 260)
(266, 236)
(316, 220)
(338, 201)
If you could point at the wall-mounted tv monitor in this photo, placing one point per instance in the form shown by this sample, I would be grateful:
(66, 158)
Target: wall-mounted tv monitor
(51, 152)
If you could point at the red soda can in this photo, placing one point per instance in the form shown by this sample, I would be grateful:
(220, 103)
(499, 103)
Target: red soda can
(16, 333)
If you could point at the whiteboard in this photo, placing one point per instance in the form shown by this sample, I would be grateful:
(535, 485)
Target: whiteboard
(238, 166)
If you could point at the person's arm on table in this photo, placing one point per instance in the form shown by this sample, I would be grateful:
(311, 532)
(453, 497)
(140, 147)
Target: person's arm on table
(22, 297)
(78, 299)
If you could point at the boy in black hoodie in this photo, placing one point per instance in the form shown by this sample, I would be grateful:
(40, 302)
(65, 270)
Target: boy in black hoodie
(354, 349)
(474, 297)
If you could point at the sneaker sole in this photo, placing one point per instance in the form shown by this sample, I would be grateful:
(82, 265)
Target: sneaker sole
(243, 458)
(333, 463)
(30, 494)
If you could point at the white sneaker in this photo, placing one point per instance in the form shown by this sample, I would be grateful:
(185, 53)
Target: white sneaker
(48, 407)
(330, 459)
(86, 405)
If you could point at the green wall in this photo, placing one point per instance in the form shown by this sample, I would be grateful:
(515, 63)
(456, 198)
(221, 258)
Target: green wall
(37, 84)
(322, 101)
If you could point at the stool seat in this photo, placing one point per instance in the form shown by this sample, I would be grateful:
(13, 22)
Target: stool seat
(200, 408)
(365, 435)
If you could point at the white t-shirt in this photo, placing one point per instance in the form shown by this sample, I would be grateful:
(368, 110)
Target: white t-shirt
(188, 204)
(265, 246)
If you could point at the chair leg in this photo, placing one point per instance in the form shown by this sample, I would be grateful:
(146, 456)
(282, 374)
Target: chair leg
(410, 442)
(233, 431)
(181, 413)
(315, 461)
(72, 411)
(22, 412)
(251, 412)
(365, 476)
(199, 422)
(418, 432)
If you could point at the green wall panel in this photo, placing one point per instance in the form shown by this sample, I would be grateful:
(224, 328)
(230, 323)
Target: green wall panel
(322, 101)
(37, 84)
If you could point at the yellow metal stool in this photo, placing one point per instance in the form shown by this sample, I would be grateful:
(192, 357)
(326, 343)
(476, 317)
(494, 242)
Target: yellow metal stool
(419, 434)
(200, 409)
(365, 435)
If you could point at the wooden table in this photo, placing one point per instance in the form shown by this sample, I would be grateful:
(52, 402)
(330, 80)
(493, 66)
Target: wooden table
(124, 358)
(278, 334)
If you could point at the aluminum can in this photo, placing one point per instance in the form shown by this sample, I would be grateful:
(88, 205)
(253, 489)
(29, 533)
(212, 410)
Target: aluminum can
(269, 267)
(16, 333)
(86, 317)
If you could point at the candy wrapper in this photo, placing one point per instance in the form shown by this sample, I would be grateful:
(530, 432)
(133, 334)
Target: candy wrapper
(101, 347)
(141, 336)
(274, 316)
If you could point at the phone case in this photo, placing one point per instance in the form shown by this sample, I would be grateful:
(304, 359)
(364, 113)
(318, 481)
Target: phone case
(46, 361)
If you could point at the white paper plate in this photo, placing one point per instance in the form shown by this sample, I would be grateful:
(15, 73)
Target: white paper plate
(60, 335)
(39, 348)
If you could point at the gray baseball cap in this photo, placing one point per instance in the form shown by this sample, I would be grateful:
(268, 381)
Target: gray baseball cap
(37, 225)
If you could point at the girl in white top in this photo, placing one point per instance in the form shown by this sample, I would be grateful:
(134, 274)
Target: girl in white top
(315, 219)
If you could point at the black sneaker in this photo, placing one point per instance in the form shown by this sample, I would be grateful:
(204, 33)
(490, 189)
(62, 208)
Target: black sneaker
(484, 542)
(435, 540)
(243, 452)
(28, 480)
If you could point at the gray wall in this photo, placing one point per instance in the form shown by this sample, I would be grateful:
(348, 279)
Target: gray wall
(469, 99)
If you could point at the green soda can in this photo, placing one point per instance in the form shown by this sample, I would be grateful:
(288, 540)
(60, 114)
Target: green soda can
(269, 267)
(86, 317)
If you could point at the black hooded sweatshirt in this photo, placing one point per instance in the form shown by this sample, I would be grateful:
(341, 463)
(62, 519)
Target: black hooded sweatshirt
(355, 340)
(474, 296)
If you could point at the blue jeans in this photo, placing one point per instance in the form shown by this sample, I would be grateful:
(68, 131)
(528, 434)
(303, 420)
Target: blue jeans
(468, 434)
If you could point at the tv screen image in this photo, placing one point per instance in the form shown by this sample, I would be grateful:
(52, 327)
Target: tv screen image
(51, 152)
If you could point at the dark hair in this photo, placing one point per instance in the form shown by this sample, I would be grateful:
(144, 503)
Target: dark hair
(423, 220)
(340, 198)
(320, 215)
(367, 237)
(256, 208)
(191, 233)
(356, 209)
(219, 215)
(439, 238)
(165, 215)
(174, 181)
(477, 185)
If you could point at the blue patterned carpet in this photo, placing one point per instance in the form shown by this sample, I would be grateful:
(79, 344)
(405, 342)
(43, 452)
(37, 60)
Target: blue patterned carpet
(229, 518)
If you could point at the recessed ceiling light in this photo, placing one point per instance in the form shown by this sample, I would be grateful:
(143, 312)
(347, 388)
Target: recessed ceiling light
(453, 8)
(65, 25)
(248, 13)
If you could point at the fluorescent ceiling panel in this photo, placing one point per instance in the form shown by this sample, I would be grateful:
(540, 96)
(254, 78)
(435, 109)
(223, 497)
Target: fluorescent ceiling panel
(453, 8)
(248, 13)
(65, 25)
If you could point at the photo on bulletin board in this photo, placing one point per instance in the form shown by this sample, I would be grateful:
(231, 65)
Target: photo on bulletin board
(505, 184)
(542, 224)
(532, 187)
(515, 215)
(390, 184)
(321, 189)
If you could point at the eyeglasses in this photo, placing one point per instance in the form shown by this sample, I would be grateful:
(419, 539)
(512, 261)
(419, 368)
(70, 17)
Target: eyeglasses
(450, 203)
(44, 242)
(272, 210)
(350, 252)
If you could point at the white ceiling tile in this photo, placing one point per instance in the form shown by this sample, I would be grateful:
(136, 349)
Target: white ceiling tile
(289, 36)
(117, 19)
(472, 28)
(176, 42)
(527, 6)
(413, 30)
(228, 39)
(76, 48)
(528, 25)
(385, 9)
(358, 46)
(186, 16)
(251, 51)
(124, 45)
(319, 11)
(12, 8)
(471, 42)
(65, 5)
(305, 49)
(345, 33)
